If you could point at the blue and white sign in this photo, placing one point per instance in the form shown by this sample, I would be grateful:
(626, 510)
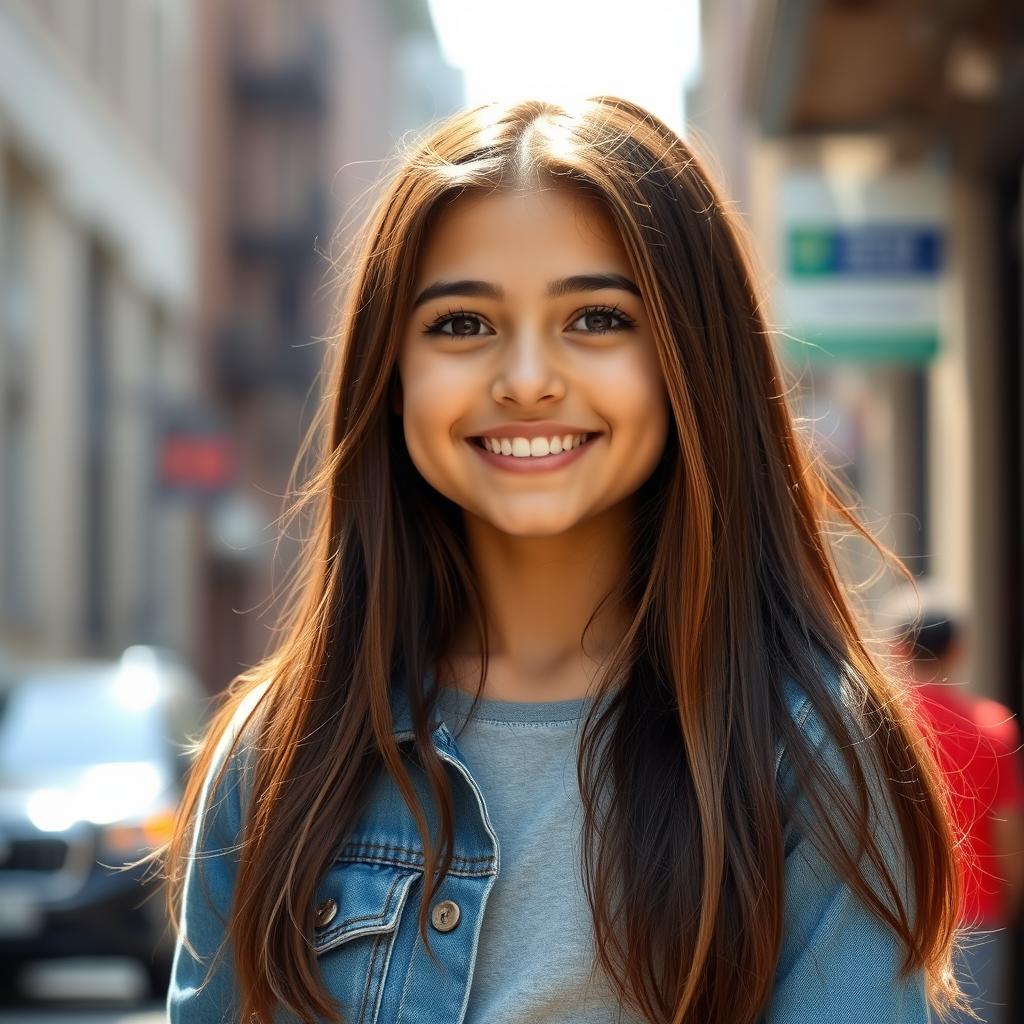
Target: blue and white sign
(866, 250)
(863, 260)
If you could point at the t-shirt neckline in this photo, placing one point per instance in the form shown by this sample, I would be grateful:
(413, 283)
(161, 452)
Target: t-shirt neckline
(493, 709)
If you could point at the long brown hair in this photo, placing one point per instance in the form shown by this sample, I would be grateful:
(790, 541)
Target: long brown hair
(733, 587)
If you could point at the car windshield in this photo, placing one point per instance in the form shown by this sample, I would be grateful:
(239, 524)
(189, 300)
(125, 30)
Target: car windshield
(52, 723)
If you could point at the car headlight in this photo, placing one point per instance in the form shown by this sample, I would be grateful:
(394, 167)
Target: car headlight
(104, 794)
(124, 839)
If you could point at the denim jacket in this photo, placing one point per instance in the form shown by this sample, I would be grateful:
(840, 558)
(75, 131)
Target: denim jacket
(838, 963)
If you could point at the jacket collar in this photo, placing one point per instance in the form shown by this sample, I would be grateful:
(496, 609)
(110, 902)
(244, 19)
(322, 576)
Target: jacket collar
(401, 714)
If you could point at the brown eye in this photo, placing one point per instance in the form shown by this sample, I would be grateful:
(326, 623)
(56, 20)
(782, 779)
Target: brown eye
(465, 325)
(458, 325)
(601, 320)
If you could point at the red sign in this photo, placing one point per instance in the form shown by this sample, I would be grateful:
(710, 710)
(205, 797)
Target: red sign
(195, 462)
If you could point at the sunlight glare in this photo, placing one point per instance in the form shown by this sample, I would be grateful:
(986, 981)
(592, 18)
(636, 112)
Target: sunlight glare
(564, 50)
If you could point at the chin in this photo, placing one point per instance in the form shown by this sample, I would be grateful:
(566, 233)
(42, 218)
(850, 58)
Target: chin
(533, 526)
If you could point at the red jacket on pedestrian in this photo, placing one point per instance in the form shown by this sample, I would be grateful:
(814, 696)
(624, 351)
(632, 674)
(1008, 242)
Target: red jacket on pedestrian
(976, 742)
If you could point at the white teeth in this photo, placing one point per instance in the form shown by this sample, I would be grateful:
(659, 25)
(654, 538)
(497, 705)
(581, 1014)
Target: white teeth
(525, 447)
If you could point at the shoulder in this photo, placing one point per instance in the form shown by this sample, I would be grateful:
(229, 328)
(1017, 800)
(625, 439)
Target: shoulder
(803, 710)
(997, 722)
(242, 728)
(232, 765)
(836, 765)
(836, 950)
(940, 704)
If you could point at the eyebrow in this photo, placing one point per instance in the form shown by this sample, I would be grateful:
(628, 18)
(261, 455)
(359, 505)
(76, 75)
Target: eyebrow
(563, 286)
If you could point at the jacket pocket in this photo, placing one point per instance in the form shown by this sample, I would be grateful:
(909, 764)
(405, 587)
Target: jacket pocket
(358, 908)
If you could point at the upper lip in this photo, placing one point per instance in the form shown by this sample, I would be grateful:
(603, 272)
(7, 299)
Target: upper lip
(536, 428)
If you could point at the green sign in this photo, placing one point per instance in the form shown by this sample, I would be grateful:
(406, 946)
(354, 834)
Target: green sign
(861, 346)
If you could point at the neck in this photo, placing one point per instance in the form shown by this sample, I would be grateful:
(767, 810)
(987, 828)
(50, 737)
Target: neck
(538, 595)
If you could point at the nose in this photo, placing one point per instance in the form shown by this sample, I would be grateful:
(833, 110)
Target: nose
(527, 373)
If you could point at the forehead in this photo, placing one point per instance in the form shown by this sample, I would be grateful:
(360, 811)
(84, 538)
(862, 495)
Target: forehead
(544, 233)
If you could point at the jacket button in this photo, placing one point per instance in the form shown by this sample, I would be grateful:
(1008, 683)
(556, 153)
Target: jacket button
(445, 915)
(325, 912)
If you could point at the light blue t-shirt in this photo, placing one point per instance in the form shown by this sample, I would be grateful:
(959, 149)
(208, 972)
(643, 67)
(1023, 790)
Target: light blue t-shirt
(536, 948)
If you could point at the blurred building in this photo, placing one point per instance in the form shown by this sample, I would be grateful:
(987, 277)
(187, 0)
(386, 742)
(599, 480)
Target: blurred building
(878, 150)
(96, 294)
(301, 105)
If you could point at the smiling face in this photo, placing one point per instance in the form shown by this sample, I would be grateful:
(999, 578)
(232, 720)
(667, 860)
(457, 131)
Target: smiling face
(528, 329)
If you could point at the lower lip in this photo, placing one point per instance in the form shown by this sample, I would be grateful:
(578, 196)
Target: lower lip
(531, 463)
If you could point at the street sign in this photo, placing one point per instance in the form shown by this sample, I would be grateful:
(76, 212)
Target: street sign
(195, 456)
(863, 263)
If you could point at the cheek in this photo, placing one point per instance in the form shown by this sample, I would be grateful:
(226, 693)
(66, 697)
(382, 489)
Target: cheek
(436, 403)
(632, 393)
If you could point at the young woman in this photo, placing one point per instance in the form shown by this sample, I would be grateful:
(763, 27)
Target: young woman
(571, 714)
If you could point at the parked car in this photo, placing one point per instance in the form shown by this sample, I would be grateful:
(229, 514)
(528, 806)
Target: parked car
(92, 756)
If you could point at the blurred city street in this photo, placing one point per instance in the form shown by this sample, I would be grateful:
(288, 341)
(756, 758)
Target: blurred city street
(77, 1015)
(85, 992)
(185, 275)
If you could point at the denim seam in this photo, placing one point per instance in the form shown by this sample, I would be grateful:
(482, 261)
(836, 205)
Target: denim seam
(485, 872)
(474, 787)
(395, 848)
(516, 724)
(408, 975)
(379, 960)
(390, 938)
(369, 976)
(475, 945)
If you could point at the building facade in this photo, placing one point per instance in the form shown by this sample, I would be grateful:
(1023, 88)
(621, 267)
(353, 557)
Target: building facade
(96, 299)
(877, 151)
(302, 109)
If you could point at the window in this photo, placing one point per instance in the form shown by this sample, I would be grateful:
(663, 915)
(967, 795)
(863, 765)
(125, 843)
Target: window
(16, 327)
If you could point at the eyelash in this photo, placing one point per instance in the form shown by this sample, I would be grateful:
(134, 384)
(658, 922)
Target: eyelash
(435, 326)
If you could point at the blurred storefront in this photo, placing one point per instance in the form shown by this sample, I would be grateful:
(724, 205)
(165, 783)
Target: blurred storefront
(878, 150)
(96, 298)
(177, 183)
(300, 104)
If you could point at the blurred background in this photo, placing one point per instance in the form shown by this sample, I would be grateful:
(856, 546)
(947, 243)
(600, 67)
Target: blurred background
(176, 178)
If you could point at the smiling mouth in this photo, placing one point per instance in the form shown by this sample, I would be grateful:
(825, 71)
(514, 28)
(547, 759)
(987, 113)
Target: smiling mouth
(526, 457)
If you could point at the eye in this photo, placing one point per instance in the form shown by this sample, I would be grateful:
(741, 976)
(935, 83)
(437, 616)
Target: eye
(457, 323)
(601, 320)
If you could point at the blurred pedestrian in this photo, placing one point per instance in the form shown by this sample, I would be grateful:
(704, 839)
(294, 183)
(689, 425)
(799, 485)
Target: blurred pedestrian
(977, 743)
